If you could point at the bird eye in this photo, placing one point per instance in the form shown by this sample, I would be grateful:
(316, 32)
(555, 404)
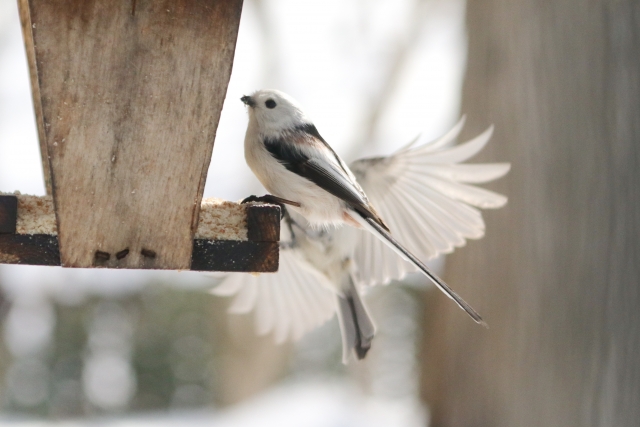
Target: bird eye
(270, 103)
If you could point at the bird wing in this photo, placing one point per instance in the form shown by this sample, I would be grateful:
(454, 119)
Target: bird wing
(423, 194)
(309, 156)
(289, 303)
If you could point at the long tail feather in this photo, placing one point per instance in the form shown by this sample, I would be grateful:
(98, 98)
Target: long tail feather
(386, 237)
(356, 325)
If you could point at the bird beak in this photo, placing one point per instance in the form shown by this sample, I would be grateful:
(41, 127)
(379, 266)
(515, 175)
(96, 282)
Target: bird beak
(248, 101)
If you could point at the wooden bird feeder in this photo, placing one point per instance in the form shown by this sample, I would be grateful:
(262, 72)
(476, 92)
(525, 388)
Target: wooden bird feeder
(127, 95)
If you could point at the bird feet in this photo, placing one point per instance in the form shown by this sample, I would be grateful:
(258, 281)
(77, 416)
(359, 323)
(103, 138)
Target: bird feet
(273, 200)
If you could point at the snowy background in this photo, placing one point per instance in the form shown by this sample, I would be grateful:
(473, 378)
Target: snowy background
(132, 347)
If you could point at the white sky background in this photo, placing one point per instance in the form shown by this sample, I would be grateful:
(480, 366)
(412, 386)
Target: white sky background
(334, 56)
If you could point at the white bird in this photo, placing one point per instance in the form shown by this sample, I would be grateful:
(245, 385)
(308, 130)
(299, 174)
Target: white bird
(421, 192)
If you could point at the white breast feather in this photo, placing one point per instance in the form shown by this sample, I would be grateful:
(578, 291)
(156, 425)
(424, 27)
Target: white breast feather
(319, 207)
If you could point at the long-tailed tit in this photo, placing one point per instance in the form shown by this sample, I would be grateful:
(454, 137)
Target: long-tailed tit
(422, 197)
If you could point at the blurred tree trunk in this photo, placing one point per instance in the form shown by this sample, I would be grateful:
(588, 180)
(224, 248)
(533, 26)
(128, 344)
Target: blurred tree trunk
(558, 275)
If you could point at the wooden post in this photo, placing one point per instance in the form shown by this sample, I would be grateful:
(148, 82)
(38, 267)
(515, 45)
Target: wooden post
(130, 95)
(25, 22)
(557, 275)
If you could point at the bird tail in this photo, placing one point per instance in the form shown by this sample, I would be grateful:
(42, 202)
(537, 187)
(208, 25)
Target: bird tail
(370, 225)
(356, 325)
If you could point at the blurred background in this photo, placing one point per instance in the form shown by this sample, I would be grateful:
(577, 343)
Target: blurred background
(557, 276)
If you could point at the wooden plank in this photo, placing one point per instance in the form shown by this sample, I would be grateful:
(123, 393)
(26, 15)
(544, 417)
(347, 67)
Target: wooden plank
(25, 21)
(8, 214)
(131, 95)
(263, 223)
(31, 249)
(260, 253)
(208, 255)
(239, 256)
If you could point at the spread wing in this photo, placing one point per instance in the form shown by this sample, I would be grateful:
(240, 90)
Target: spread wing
(289, 303)
(423, 194)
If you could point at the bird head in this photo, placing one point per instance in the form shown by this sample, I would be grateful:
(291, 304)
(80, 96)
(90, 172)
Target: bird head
(274, 112)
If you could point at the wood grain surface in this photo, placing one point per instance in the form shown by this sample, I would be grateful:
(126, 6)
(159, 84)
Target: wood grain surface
(29, 249)
(557, 276)
(260, 253)
(8, 214)
(131, 94)
(208, 255)
(27, 34)
(263, 223)
(236, 256)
